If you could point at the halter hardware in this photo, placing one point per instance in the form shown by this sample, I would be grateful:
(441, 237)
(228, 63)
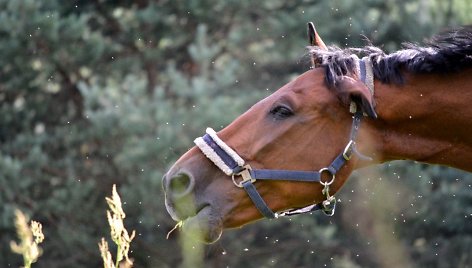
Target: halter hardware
(245, 173)
(347, 153)
(329, 182)
(328, 206)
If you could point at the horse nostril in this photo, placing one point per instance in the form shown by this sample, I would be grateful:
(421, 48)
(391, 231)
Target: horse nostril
(180, 184)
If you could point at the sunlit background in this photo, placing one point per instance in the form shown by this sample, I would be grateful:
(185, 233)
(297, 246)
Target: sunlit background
(95, 93)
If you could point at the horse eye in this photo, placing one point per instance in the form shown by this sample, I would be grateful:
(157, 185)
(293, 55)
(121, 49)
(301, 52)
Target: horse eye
(281, 112)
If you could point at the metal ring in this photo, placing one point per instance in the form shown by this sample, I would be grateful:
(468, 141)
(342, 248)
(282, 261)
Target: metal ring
(240, 184)
(333, 176)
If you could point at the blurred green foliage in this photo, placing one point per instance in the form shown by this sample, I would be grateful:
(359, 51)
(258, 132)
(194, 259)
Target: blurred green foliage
(96, 92)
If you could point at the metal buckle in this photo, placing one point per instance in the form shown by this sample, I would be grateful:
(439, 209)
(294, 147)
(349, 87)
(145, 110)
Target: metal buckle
(348, 150)
(245, 174)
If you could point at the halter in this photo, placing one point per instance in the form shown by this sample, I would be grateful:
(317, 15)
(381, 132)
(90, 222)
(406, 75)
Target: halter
(244, 176)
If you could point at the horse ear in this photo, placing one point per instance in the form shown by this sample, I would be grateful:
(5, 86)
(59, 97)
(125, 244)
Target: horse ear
(351, 90)
(314, 38)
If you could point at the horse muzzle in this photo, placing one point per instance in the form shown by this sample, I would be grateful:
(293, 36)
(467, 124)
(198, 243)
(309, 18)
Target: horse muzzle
(186, 203)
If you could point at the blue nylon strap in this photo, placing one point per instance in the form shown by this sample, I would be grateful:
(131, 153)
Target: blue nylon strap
(356, 122)
(227, 159)
(257, 200)
(337, 164)
(287, 175)
(340, 160)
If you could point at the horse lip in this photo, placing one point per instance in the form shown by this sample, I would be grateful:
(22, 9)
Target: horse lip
(202, 207)
(204, 226)
(177, 216)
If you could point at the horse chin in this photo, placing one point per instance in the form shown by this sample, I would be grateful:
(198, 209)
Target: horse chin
(204, 226)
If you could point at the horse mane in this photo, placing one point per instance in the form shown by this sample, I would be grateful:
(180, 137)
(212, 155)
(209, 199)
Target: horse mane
(447, 52)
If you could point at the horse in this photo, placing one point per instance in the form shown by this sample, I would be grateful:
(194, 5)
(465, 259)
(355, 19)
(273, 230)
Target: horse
(292, 151)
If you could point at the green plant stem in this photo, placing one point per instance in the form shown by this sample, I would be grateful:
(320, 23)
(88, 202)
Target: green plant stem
(118, 255)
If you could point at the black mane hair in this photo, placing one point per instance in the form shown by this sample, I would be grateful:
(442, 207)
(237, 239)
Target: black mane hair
(447, 52)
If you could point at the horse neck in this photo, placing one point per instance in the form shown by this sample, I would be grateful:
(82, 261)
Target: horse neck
(428, 119)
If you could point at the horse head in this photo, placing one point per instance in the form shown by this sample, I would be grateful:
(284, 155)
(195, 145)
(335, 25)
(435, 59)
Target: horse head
(306, 126)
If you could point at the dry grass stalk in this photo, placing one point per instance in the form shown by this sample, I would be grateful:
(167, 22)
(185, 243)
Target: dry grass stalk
(118, 233)
(30, 237)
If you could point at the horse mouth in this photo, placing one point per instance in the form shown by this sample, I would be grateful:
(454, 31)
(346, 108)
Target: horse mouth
(203, 226)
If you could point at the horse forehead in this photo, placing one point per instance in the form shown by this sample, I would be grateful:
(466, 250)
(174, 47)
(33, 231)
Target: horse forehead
(308, 83)
(305, 88)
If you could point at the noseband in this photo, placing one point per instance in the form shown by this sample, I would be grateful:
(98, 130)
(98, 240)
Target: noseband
(244, 176)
